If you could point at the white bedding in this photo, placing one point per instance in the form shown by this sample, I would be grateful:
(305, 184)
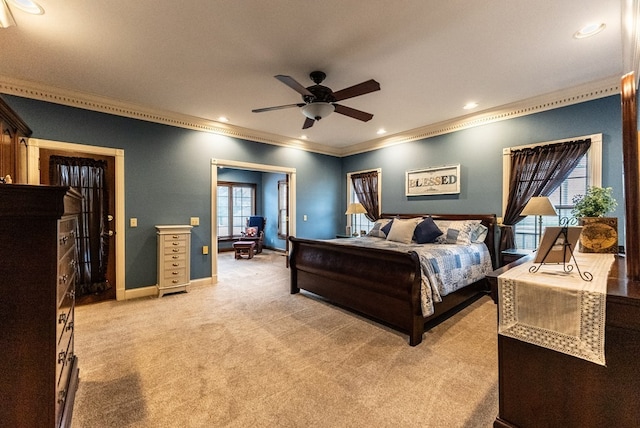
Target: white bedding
(445, 267)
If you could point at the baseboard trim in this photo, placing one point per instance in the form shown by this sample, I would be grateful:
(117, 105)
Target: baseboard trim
(152, 290)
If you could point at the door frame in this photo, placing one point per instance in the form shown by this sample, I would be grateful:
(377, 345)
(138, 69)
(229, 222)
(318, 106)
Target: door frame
(219, 163)
(33, 177)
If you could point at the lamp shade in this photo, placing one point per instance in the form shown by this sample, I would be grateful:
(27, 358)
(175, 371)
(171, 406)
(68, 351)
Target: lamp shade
(6, 18)
(317, 111)
(539, 205)
(355, 208)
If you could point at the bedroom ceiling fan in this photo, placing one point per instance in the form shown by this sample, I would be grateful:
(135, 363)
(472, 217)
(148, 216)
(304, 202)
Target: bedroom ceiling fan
(320, 101)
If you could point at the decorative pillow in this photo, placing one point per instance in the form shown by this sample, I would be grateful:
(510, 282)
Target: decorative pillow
(479, 234)
(456, 232)
(376, 231)
(386, 228)
(251, 231)
(402, 230)
(426, 231)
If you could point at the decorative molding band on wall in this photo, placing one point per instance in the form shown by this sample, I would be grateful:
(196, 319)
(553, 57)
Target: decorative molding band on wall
(562, 98)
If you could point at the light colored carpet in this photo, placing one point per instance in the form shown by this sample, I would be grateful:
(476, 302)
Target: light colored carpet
(246, 353)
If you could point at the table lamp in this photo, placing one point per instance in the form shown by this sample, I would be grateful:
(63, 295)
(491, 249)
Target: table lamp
(355, 208)
(540, 206)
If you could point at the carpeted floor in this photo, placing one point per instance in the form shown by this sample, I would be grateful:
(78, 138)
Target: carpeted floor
(246, 353)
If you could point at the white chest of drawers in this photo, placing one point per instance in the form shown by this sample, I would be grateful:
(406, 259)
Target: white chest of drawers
(174, 258)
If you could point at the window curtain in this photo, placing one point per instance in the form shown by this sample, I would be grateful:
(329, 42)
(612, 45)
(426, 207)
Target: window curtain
(365, 185)
(87, 176)
(537, 171)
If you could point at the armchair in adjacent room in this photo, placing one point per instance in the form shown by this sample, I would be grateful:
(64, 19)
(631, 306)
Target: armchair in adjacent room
(255, 231)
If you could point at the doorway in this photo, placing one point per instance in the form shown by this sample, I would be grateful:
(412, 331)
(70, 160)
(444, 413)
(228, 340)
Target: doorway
(39, 153)
(94, 177)
(217, 163)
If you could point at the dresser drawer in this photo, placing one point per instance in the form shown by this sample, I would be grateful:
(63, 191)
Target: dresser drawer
(169, 246)
(175, 276)
(173, 257)
(66, 235)
(64, 322)
(66, 275)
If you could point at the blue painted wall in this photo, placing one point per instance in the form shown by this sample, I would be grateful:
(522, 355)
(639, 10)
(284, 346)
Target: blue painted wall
(479, 152)
(168, 177)
(167, 169)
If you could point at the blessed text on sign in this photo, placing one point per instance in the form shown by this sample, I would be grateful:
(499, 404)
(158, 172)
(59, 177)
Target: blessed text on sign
(433, 181)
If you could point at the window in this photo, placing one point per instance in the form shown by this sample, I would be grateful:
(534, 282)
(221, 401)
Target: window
(586, 174)
(236, 202)
(283, 216)
(359, 222)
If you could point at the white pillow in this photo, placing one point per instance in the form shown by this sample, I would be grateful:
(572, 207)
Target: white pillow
(402, 230)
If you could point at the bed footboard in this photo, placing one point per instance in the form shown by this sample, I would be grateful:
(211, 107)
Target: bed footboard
(381, 284)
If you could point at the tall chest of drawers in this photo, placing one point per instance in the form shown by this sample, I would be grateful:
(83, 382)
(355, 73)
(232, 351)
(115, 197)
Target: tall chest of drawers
(38, 263)
(174, 258)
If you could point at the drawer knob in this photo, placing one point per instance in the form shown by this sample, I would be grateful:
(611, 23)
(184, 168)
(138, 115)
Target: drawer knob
(176, 264)
(175, 281)
(174, 257)
(175, 236)
(175, 243)
(175, 272)
(175, 250)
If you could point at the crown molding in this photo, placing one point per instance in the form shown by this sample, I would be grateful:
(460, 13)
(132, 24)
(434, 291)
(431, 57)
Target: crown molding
(83, 100)
(587, 92)
(566, 97)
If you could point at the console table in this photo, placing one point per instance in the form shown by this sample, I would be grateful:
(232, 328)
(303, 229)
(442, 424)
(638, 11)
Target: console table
(540, 387)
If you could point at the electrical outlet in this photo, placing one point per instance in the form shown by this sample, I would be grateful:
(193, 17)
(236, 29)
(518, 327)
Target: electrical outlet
(195, 221)
(133, 222)
(304, 217)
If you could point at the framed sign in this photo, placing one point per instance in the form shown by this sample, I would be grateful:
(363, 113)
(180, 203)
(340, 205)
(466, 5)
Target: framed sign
(440, 180)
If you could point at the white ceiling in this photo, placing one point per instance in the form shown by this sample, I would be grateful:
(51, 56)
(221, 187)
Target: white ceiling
(210, 58)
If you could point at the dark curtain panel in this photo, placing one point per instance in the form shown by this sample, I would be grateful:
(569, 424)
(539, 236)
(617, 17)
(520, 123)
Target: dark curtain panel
(88, 177)
(537, 171)
(365, 185)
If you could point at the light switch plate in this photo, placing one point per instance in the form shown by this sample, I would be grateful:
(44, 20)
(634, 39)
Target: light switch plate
(133, 222)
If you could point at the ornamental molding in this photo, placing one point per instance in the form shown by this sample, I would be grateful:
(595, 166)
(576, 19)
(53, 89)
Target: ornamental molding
(566, 97)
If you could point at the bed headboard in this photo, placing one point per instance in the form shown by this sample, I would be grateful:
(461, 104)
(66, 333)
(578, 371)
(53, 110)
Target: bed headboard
(489, 220)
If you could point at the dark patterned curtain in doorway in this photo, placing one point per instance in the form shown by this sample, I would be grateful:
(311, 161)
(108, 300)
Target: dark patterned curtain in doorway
(88, 177)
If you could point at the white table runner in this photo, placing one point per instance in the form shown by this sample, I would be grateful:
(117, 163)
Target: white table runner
(557, 310)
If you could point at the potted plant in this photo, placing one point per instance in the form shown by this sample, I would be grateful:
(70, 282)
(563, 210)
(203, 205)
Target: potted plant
(599, 233)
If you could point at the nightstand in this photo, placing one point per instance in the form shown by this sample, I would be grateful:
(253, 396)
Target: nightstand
(513, 254)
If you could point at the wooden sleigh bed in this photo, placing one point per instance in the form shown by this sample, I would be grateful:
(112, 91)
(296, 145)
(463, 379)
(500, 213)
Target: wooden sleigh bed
(382, 284)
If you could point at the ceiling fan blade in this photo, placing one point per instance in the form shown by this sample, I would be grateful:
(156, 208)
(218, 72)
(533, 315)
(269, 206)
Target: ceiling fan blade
(351, 112)
(308, 123)
(356, 90)
(293, 84)
(260, 110)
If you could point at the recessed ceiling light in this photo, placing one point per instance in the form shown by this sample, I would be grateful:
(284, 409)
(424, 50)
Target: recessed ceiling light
(223, 119)
(304, 137)
(589, 30)
(470, 105)
(28, 6)
(381, 131)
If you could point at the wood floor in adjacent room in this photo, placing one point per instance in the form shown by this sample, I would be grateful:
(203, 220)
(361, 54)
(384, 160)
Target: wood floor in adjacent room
(246, 353)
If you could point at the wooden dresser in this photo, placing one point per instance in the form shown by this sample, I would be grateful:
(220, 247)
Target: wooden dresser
(174, 258)
(539, 387)
(38, 263)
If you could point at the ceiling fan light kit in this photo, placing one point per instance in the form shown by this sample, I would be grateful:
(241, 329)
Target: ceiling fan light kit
(28, 6)
(320, 101)
(318, 110)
